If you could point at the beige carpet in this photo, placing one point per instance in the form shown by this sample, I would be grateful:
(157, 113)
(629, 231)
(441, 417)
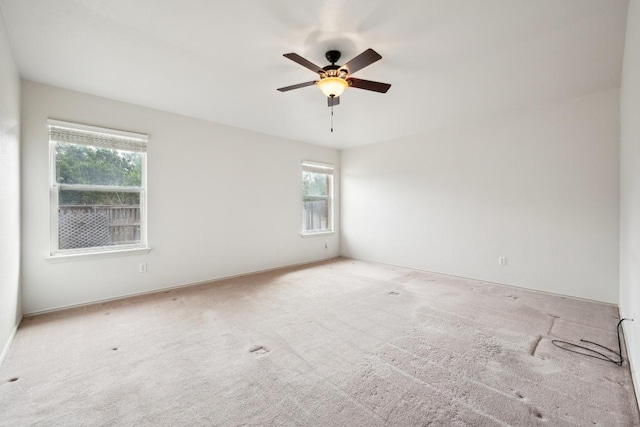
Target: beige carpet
(341, 343)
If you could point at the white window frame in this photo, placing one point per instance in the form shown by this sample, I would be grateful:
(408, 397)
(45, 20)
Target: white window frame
(328, 169)
(121, 140)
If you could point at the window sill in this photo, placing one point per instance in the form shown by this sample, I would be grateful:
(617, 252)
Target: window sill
(78, 256)
(317, 234)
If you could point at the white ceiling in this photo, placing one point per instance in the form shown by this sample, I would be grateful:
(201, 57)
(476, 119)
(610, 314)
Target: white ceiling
(447, 60)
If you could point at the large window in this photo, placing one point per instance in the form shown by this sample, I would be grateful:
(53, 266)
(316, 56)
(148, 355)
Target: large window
(317, 198)
(98, 200)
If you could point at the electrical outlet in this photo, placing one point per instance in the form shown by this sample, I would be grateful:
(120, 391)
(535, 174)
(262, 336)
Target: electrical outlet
(142, 268)
(502, 261)
(326, 245)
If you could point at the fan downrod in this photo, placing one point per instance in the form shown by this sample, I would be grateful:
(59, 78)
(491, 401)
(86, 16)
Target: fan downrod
(333, 56)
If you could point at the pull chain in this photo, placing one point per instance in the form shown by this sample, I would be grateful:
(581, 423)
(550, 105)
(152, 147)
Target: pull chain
(331, 117)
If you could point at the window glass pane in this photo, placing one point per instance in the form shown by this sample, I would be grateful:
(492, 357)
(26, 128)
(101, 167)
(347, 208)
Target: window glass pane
(315, 184)
(81, 164)
(315, 215)
(88, 219)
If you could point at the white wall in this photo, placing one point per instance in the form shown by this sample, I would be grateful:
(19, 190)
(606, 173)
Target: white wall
(221, 200)
(630, 188)
(539, 187)
(10, 310)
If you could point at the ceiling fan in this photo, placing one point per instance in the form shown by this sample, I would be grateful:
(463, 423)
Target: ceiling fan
(334, 79)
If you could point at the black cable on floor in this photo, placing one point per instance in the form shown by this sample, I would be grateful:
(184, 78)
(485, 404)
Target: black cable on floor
(565, 345)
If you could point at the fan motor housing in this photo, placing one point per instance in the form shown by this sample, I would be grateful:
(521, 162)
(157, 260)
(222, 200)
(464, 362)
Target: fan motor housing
(334, 71)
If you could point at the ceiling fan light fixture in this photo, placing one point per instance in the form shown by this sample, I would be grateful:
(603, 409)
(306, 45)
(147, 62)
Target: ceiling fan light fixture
(332, 86)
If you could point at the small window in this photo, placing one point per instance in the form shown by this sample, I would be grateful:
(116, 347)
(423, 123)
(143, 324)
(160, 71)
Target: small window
(317, 198)
(98, 200)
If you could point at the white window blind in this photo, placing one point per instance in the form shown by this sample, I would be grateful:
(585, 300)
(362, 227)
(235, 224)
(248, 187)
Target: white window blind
(74, 133)
(317, 168)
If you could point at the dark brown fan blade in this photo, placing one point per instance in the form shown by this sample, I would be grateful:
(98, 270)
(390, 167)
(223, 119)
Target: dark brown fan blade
(366, 58)
(332, 102)
(369, 85)
(298, 86)
(300, 60)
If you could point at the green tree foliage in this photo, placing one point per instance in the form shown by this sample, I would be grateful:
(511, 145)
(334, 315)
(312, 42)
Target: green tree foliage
(80, 164)
(315, 184)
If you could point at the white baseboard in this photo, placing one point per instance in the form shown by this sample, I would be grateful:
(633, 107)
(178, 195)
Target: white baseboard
(7, 346)
(521, 287)
(183, 285)
(634, 374)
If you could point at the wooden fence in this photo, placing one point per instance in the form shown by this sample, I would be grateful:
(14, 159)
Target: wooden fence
(88, 226)
(81, 226)
(315, 215)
